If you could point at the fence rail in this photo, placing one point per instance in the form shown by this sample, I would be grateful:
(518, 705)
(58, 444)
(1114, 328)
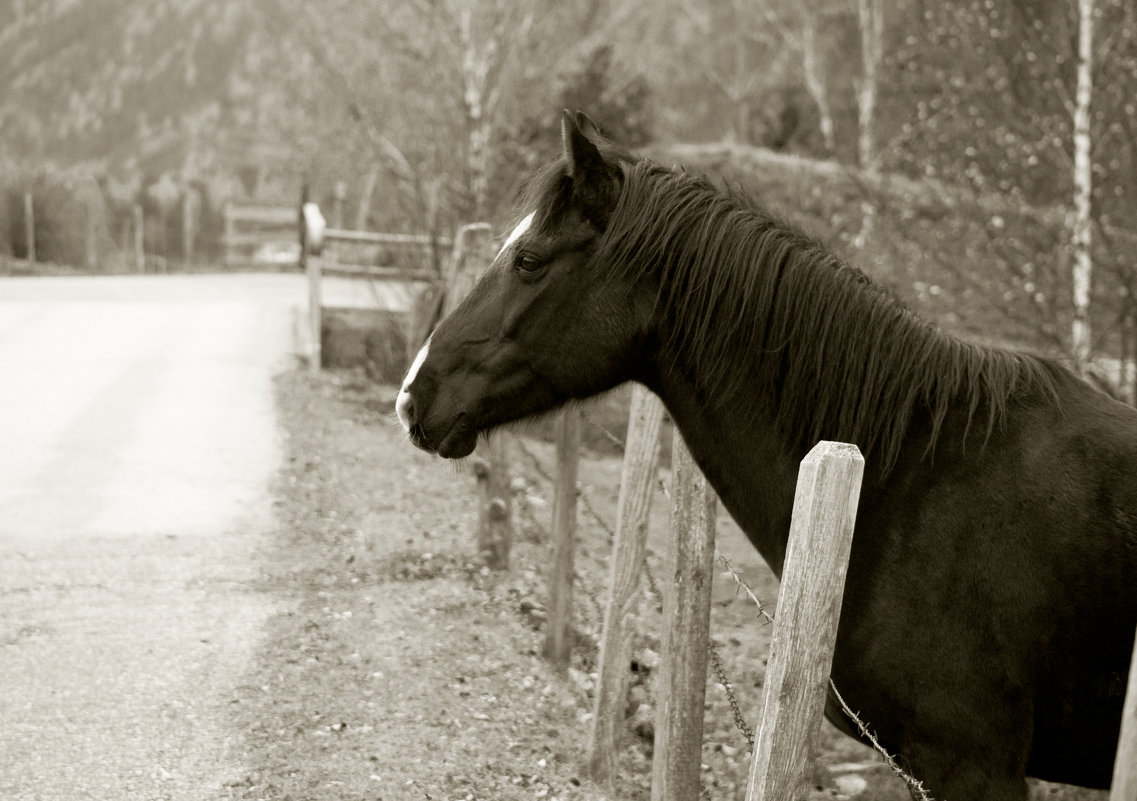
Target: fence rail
(332, 267)
(375, 238)
(248, 228)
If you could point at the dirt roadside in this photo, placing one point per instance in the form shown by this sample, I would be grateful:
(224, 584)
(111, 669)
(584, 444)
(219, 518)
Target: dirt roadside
(400, 668)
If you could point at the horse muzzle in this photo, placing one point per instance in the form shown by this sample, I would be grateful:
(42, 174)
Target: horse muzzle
(456, 440)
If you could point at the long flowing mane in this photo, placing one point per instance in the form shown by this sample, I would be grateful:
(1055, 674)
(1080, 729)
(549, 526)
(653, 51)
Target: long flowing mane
(843, 357)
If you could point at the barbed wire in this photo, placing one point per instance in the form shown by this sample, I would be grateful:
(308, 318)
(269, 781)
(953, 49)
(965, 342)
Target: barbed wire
(716, 660)
(653, 585)
(915, 785)
(578, 577)
(615, 440)
(742, 586)
(728, 690)
(590, 509)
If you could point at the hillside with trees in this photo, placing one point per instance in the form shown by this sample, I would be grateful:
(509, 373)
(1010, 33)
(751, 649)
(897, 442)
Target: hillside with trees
(935, 143)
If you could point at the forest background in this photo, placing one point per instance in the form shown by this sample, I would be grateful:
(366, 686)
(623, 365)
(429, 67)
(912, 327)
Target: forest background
(933, 142)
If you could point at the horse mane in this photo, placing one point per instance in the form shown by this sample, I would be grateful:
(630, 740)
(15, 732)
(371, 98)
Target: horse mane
(843, 358)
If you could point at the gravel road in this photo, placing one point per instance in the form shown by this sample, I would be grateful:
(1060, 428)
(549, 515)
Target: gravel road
(137, 443)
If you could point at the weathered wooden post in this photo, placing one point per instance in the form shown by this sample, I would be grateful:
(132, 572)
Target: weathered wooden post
(30, 227)
(493, 517)
(641, 457)
(558, 629)
(363, 210)
(495, 528)
(472, 255)
(230, 229)
(1124, 787)
(685, 638)
(139, 239)
(90, 235)
(312, 227)
(189, 223)
(339, 195)
(311, 267)
(805, 627)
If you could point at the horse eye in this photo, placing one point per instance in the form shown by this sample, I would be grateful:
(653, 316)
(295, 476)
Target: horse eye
(528, 263)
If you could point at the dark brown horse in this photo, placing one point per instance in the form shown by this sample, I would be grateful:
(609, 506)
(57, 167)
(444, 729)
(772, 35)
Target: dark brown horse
(991, 600)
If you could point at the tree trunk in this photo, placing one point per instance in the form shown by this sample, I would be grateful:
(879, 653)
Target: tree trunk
(29, 228)
(1125, 358)
(815, 84)
(1082, 233)
(189, 225)
(871, 19)
(364, 210)
(477, 58)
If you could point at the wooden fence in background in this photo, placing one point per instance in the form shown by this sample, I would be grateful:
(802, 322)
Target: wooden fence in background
(259, 234)
(443, 282)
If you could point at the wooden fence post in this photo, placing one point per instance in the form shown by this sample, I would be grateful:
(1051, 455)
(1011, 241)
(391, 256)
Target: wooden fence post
(1124, 787)
(363, 210)
(641, 457)
(30, 227)
(685, 638)
(139, 239)
(472, 255)
(90, 236)
(805, 627)
(189, 225)
(493, 535)
(230, 228)
(338, 196)
(558, 630)
(311, 266)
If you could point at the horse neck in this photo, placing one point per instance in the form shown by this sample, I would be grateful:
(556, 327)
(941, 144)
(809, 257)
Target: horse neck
(753, 472)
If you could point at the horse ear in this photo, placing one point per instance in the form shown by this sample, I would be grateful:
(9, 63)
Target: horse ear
(587, 126)
(594, 180)
(581, 153)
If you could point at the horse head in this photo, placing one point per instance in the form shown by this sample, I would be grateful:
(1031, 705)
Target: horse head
(545, 325)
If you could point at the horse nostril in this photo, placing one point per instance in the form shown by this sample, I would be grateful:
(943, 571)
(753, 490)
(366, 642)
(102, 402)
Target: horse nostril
(405, 409)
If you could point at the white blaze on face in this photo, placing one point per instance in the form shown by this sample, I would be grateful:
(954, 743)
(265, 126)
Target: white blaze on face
(403, 403)
(517, 232)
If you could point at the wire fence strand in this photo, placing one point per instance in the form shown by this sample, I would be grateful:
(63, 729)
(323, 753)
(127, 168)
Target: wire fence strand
(915, 786)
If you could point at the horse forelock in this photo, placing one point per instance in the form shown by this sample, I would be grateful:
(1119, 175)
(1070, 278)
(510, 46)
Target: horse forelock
(842, 357)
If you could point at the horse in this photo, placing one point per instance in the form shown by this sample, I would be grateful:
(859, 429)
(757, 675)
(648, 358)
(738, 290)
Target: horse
(990, 606)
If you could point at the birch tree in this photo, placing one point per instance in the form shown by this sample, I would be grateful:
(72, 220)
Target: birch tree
(815, 81)
(870, 18)
(800, 30)
(485, 41)
(740, 64)
(1082, 230)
